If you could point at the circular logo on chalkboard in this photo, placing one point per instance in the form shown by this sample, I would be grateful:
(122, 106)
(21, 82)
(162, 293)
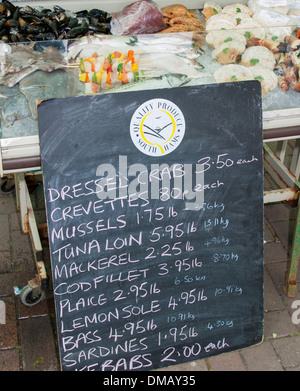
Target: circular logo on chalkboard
(157, 127)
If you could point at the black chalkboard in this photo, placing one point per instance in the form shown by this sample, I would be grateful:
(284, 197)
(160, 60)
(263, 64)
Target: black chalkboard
(155, 215)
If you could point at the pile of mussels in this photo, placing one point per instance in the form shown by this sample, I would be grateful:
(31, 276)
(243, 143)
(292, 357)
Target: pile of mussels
(25, 24)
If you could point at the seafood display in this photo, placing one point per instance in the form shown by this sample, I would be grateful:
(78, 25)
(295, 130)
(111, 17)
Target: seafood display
(102, 73)
(179, 18)
(258, 55)
(140, 17)
(18, 110)
(106, 62)
(29, 72)
(256, 38)
(26, 24)
(22, 60)
(57, 53)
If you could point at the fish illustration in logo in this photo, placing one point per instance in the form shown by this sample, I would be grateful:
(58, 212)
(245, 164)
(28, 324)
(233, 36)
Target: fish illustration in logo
(158, 126)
